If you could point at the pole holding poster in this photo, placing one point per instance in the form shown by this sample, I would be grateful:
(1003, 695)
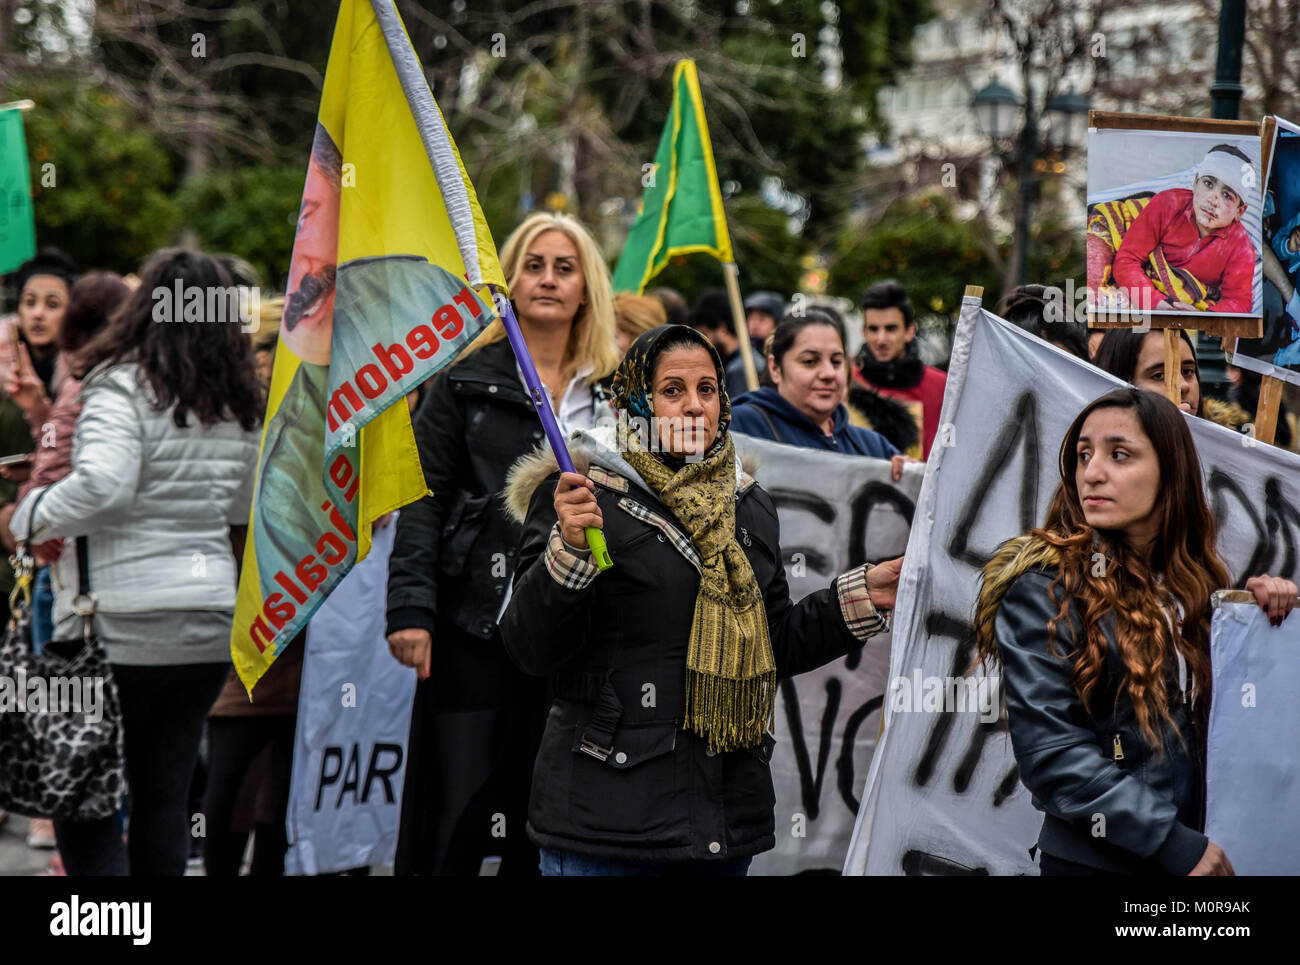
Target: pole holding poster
(1270, 403)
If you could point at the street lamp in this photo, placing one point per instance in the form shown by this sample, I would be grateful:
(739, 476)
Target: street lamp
(996, 111)
(1067, 120)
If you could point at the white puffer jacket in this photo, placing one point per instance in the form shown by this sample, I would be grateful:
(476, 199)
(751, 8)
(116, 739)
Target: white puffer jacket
(154, 500)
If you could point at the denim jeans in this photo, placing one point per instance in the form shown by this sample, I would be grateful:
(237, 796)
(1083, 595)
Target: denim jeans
(42, 610)
(566, 863)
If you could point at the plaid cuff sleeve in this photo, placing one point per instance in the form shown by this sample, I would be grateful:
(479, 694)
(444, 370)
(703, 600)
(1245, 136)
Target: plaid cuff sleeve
(860, 615)
(571, 571)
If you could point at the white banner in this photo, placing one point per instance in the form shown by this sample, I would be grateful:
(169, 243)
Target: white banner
(836, 511)
(1253, 764)
(943, 795)
(354, 715)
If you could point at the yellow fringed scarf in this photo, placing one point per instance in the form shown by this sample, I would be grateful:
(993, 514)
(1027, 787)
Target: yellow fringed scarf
(730, 669)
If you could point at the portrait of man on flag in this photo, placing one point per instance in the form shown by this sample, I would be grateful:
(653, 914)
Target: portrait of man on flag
(309, 304)
(390, 245)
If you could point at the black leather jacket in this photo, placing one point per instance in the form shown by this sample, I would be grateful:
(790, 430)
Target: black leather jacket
(1110, 800)
(454, 551)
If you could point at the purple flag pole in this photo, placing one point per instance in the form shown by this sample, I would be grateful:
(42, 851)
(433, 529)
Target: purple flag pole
(541, 402)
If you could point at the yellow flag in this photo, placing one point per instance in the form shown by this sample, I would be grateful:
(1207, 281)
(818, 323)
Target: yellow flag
(390, 249)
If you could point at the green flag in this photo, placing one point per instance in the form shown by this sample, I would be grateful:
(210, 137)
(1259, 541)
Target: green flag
(17, 229)
(681, 211)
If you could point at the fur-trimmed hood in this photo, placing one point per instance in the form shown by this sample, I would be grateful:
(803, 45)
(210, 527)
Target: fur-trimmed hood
(1227, 414)
(1012, 558)
(880, 413)
(587, 447)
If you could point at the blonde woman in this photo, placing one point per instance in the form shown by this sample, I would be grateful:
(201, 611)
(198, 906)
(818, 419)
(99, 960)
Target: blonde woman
(477, 720)
(634, 314)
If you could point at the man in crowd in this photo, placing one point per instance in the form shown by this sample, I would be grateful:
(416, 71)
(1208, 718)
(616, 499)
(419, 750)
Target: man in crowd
(889, 362)
(763, 310)
(711, 314)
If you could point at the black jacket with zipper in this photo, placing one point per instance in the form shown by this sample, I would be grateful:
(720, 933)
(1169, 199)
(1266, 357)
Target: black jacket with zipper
(1110, 800)
(616, 775)
(454, 551)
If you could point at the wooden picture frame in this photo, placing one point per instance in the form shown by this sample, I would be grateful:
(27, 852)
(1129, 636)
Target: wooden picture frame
(1227, 328)
(1231, 327)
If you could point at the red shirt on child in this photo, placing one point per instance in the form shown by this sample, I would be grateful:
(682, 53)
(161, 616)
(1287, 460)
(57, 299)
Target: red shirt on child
(1224, 257)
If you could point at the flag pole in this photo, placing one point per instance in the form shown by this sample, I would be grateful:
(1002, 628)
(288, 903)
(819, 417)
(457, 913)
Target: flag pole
(732, 274)
(460, 213)
(541, 400)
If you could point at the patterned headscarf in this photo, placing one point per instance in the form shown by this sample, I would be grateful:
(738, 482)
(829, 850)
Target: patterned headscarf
(632, 379)
(730, 668)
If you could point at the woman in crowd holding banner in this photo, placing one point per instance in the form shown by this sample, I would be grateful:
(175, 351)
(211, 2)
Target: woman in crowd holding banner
(476, 720)
(664, 668)
(805, 404)
(160, 487)
(1100, 622)
(1139, 358)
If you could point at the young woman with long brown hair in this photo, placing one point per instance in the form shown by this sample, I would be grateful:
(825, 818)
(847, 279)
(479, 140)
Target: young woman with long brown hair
(1100, 622)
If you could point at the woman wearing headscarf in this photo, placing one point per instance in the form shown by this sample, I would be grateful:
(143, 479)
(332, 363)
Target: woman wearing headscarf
(476, 719)
(664, 668)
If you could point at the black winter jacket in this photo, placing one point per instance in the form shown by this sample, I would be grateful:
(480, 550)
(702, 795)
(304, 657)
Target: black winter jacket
(454, 551)
(1110, 801)
(616, 775)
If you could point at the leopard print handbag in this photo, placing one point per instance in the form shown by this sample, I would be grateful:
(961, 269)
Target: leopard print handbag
(61, 751)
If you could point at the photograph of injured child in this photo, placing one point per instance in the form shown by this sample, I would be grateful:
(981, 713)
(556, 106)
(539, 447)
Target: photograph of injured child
(1277, 353)
(1174, 223)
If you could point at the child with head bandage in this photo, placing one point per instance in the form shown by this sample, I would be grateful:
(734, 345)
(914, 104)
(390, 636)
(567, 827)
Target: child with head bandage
(1192, 241)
